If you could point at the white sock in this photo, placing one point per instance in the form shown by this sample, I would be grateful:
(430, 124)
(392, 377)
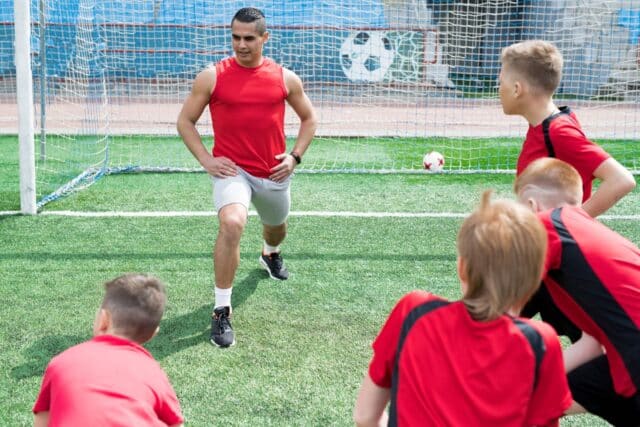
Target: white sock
(222, 297)
(268, 249)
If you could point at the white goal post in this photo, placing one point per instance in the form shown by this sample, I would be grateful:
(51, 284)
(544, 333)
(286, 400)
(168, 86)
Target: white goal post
(24, 92)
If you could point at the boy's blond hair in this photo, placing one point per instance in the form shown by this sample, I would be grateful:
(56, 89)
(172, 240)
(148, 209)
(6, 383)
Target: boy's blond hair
(136, 303)
(502, 245)
(537, 61)
(550, 182)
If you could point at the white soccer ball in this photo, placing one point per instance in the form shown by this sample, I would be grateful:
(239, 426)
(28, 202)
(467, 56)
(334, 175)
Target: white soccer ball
(433, 161)
(366, 56)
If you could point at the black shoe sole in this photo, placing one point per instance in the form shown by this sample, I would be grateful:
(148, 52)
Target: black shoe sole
(264, 265)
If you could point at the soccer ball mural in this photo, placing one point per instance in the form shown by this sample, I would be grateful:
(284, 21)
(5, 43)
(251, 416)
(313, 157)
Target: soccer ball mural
(366, 56)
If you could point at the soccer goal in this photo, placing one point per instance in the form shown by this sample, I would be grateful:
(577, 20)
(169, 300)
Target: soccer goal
(391, 80)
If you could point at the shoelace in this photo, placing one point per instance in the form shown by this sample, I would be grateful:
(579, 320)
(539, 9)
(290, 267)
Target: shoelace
(223, 322)
(277, 260)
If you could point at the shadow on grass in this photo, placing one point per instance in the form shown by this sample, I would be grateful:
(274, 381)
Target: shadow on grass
(9, 217)
(187, 330)
(40, 353)
(371, 256)
(176, 333)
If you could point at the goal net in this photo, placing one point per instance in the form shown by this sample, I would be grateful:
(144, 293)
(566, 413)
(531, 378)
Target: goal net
(390, 79)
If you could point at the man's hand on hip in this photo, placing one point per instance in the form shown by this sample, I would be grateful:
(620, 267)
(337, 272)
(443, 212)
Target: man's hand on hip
(220, 167)
(284, 169)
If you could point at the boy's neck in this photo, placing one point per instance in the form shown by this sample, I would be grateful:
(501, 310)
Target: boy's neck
(114, 333)
(539, 111)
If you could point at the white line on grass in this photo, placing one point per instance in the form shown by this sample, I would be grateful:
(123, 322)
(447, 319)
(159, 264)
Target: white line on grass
(345, 214)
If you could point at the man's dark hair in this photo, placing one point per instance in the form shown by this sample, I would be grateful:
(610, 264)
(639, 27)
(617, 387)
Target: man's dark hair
(249, 15)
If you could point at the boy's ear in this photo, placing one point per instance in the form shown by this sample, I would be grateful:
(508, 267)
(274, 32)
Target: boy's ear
(462, 273)
(533, 204)
(103, 322)
(518, 89)
(524, 197)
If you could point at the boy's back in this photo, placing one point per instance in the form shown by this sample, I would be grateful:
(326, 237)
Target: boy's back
(471, 362)
(454, 370)
(112, 380)
(593, 274)
(560, 135)
(107, 381)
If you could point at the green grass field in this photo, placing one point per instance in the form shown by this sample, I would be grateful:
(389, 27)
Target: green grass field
(69, 157)
(303, 344)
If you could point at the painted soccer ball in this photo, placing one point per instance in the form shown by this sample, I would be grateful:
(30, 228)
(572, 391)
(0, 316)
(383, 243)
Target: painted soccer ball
(433, 161)
(366, 56)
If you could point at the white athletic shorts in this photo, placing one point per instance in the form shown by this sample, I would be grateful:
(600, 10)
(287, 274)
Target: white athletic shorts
(272, 200)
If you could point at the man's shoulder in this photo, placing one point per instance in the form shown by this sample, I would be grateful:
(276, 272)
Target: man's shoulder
(206, 79)
(224, 64)
(212, 72)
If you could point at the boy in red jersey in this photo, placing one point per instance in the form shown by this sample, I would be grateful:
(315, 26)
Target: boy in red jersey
(593, 276)
(530, 74)
(472, 362)
(112, 379)
(246, 96)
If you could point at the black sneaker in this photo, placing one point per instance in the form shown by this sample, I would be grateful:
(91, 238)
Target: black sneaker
(221, 331)
(274, 265)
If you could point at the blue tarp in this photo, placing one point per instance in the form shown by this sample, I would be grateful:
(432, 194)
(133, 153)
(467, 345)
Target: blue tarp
(335, 13)
(171, 37)
(630, 19)
(177, 38)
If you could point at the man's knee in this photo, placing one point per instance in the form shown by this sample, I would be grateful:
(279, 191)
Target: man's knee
(232, 221)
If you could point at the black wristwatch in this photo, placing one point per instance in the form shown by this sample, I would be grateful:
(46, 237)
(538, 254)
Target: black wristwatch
(296, 156)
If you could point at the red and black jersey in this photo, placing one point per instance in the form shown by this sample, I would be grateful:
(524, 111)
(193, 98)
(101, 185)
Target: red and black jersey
(445, 368)
(560, 135)
(593, 276)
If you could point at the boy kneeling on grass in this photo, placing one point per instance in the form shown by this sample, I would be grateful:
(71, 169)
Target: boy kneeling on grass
(593, 276)
(472, 362)
(112, 379)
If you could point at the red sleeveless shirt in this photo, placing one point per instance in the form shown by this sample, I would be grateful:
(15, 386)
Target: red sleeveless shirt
(247, 111)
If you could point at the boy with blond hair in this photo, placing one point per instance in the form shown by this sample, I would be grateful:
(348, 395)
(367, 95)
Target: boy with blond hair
(593, 276)
(112, 380)
(530, 74)
(472, 362)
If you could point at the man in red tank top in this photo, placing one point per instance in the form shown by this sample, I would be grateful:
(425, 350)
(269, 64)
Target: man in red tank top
(249, 163)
